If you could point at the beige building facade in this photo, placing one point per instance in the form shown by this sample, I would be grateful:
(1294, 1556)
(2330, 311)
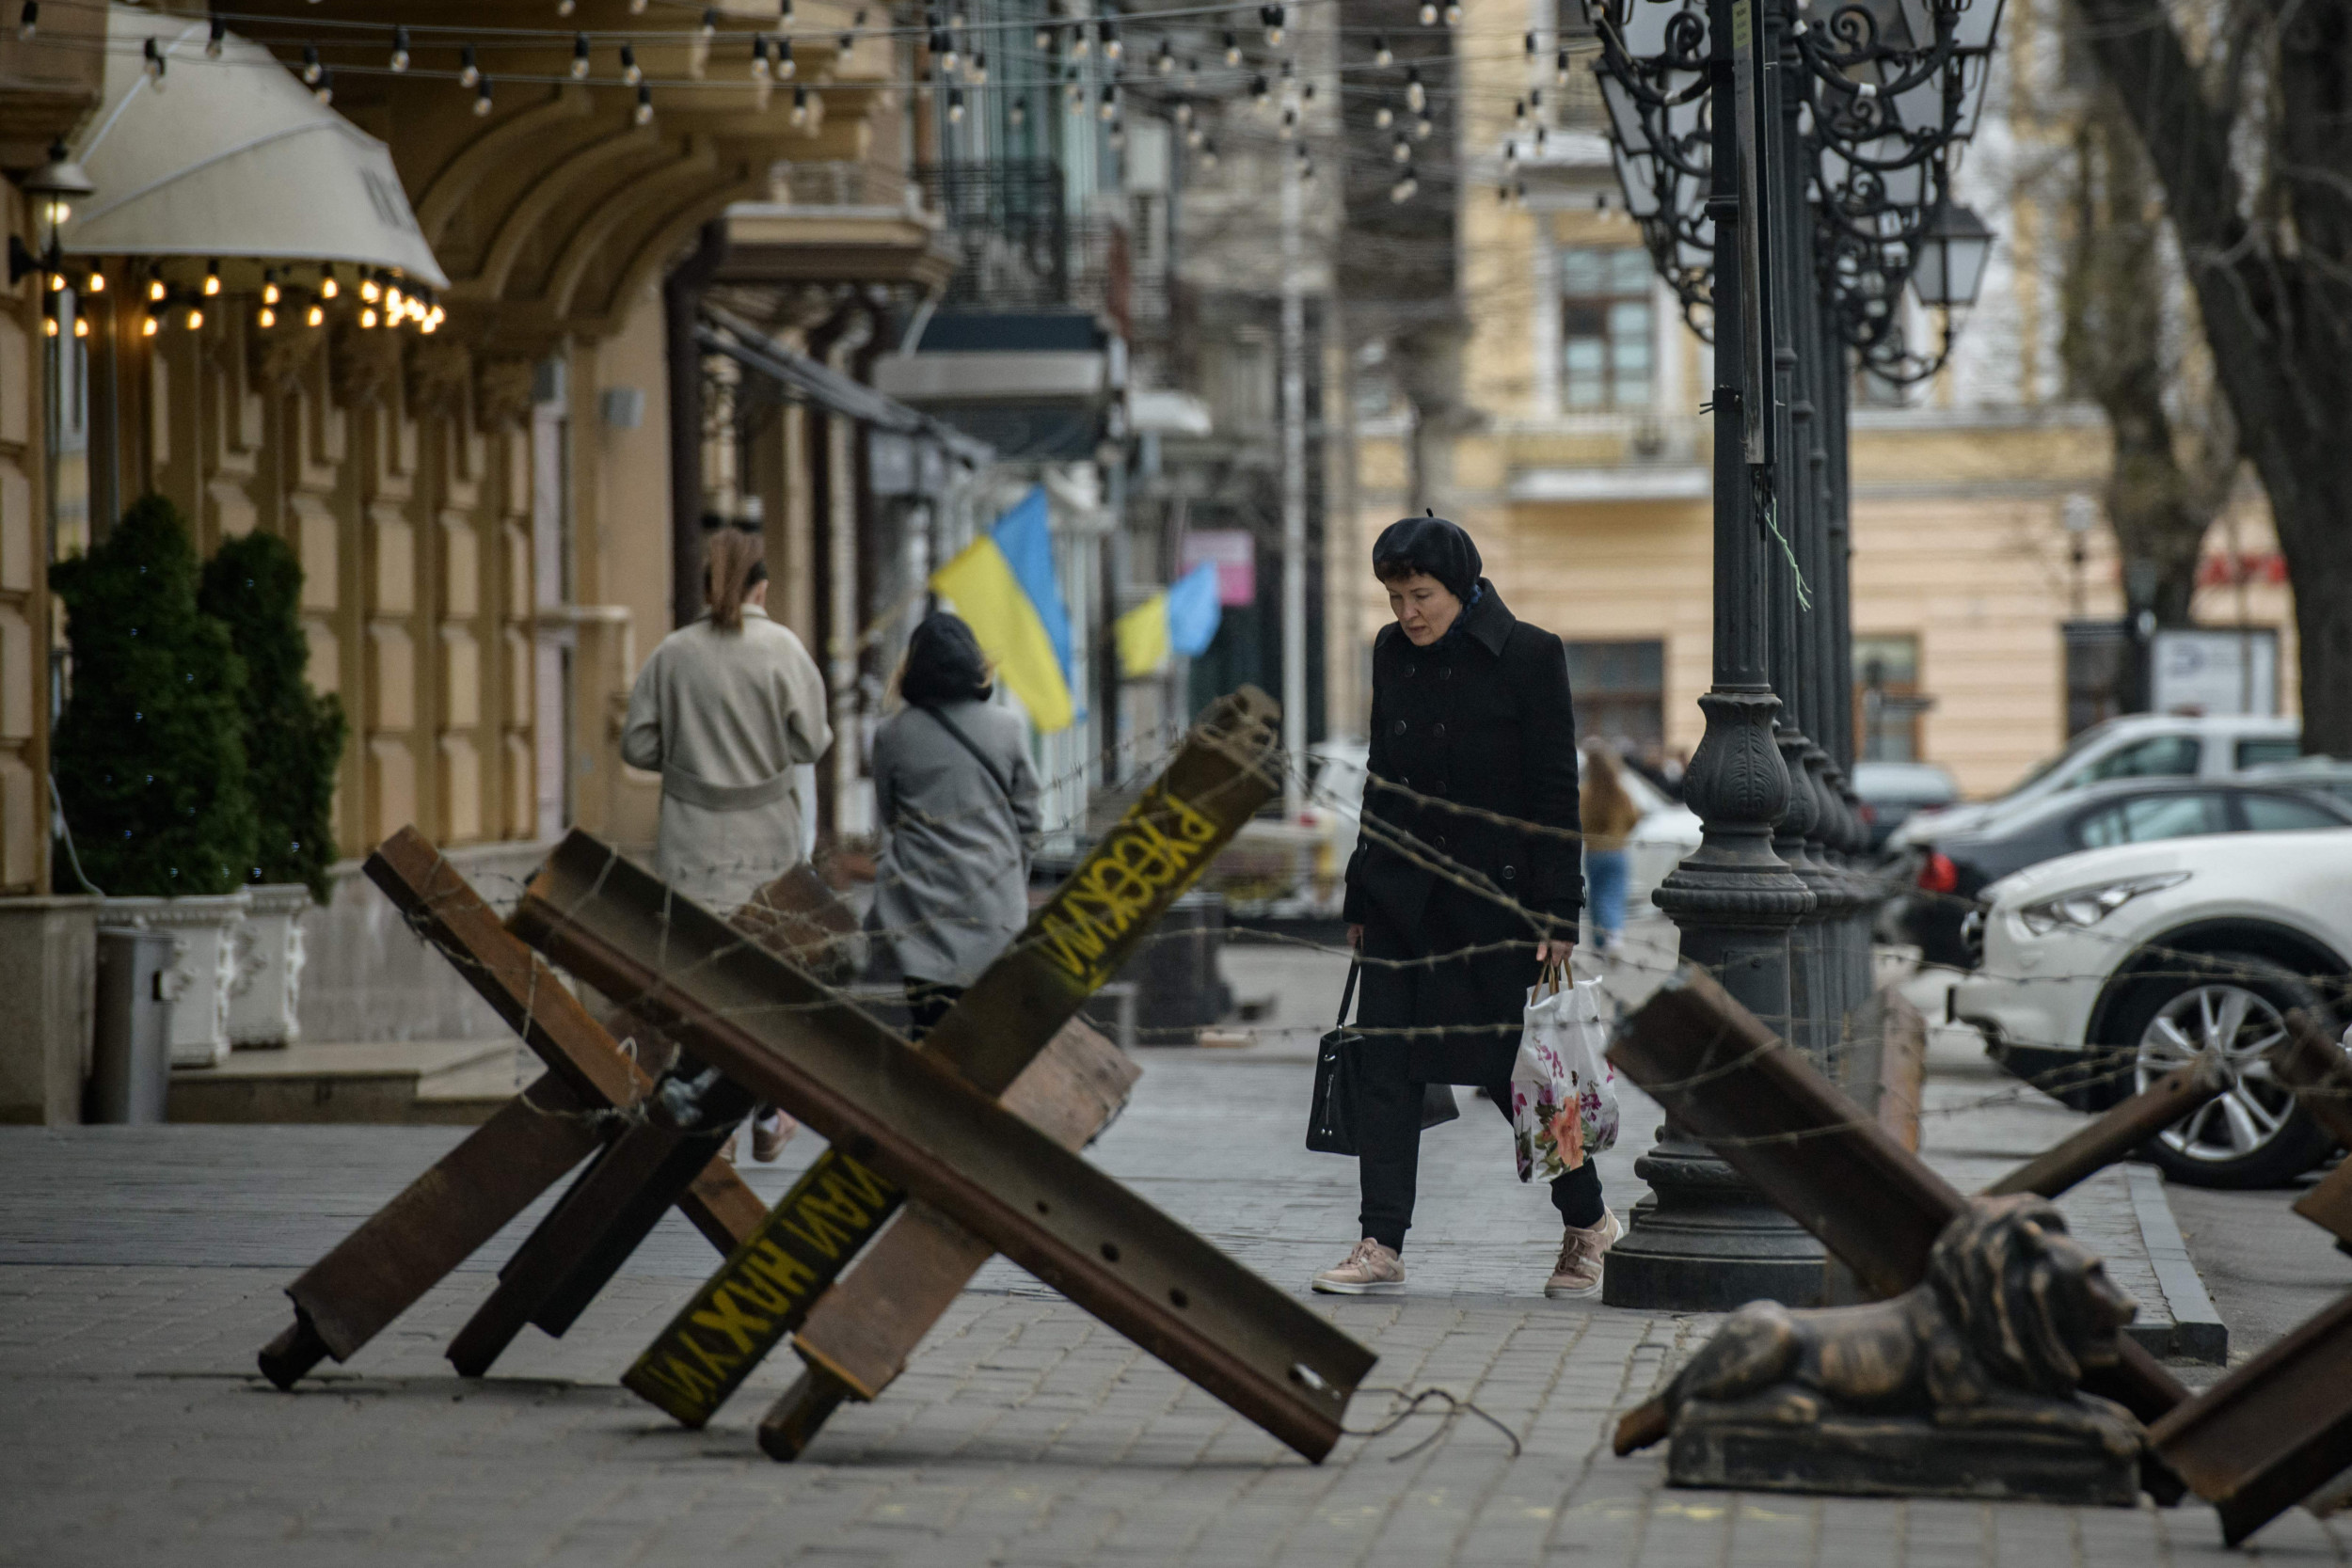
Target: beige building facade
(1584, 471)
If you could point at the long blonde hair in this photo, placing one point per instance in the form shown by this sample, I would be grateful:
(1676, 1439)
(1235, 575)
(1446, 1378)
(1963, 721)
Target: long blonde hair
(732, 561)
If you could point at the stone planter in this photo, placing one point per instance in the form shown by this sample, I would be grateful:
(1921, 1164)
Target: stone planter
(265, 986)
(204, 968)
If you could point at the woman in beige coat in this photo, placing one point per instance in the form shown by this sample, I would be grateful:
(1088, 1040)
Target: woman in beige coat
(723, 710)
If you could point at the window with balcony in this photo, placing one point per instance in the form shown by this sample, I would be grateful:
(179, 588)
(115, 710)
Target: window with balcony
(1606, 328)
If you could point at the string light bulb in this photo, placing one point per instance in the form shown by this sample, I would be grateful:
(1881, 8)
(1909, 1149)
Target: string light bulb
(1118, 134)
(1289, 126)
(155, 283)
(1428, 18)
(1109, 107)
(1183, 111)
(49, 326)
(579, 56)
(1383, 117)
(212, 279)
(1195, 138)
(1017, 114)
(154, 61)
(1422, 127)
(215, 39)
(314, 316)
(1454, 16)
(1260, 94)
(366, 317)
(369, 291)
(955, 106)
(312, 69)
(783, 12)
(1560, 69)
(195, 318)
(1381, 53)
(1164, 63)
(324, 90)
(1044, 41)
(269, 287)
(29, 20)
(643, 114)
(328, 288)
(400, 48)
(566, 7)
(800, 105)
(265, 318)
(148, 326)
(1402, 151)
(761, 69)
(1402, 190)
(1233, 49)
(1415, 96)
(482, 100)
(710, 21)
(629, 72)
(468, 72)
(95, 283)
(1208, 154)
(1273, 17)
(81, 327)
(785, 66)
(1112, 47)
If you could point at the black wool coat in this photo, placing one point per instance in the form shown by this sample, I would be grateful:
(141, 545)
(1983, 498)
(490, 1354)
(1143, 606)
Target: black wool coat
(1482, 720)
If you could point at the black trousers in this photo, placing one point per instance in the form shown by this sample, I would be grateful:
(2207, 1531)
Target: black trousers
(1387, 1147)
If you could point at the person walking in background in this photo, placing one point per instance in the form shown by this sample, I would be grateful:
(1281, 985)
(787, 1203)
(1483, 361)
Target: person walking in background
(1610, 817)
(723, 710)
(956, 795)
(1454, 912)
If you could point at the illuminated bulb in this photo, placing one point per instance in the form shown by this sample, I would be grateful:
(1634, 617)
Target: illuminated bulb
(1044, 41)
(325, 91)
(1421, 128)
(56, 282)
(400, 48)
(81, 327)
(49, 325)
(566, 7)
(214, 39)
(1164, 63)
(1415, 95)
(643, 114)
(579, 56)
(759, 56)
(1428, 19)
(468, 72)
(393, 304)
(328, 288)
(1381, 53)
(1403, 152)
(156, 288)
(196, 318)
(369, 291)
(265, 317)
(1232, 50)
(1112, 47)
(482, 99)
(1402, 190)
(636, 7)
(628, 64)
(211, 280)
(784, 57)
(314, 316)
(1079, 41)
(366, 317)
(95, 283)
(1454, 16)
(312, 69)
(1383, 117)
(1273, 15)
(147, 326)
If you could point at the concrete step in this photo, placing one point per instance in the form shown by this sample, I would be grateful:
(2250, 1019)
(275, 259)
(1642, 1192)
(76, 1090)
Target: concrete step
(452, 1083)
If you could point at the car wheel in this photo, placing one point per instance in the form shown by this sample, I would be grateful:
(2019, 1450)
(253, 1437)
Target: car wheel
(2231, 1007)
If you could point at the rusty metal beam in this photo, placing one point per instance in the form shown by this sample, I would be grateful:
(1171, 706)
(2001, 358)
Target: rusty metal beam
(2312, 1062)
(913, 1119)
(2272, 1431)
(2120, 1130)
(2328, 1206)
(1226, 768)
(383, 1268)
(1761, 1105)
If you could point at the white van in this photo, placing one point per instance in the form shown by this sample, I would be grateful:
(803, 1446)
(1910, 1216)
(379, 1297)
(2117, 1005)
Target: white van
(2135, 745)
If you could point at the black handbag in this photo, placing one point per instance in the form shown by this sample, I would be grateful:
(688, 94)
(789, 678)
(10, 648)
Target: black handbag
(1332, 1117)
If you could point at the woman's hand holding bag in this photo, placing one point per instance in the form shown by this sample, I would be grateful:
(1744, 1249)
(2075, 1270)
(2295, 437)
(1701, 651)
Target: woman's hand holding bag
(1563, 1094)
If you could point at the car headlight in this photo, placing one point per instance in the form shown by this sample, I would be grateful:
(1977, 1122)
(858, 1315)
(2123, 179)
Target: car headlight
(2086, 907)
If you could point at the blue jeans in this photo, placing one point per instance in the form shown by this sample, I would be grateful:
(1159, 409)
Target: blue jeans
(1606, 873)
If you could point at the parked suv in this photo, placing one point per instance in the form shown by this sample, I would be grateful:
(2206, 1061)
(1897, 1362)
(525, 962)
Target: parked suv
(2104, 971)
(2136, 746)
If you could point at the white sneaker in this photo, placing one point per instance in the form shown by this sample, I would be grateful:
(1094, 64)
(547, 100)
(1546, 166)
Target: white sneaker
(1370, 1269)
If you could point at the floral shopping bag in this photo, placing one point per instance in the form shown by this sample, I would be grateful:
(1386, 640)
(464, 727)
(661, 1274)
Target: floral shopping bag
(1563, 1094)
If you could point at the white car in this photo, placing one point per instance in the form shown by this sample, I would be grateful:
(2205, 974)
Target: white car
(2104, 971)
(2136, 746)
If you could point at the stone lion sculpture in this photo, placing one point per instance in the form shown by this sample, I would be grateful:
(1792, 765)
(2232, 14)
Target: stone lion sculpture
(2012, 1311)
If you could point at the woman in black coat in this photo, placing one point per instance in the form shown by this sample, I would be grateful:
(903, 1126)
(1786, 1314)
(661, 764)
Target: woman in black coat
(1453, 905)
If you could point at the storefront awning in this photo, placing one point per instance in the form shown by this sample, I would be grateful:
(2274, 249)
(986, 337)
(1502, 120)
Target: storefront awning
(823, 384)
(231, 156)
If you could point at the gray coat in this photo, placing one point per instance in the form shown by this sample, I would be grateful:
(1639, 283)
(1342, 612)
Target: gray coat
(951, 889)
(724, 716)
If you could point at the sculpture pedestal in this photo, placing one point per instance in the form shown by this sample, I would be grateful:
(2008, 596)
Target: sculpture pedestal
(2094, 1460)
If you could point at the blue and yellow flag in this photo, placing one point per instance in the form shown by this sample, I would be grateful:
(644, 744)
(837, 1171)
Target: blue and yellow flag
(1004, 587)
(1183, 618)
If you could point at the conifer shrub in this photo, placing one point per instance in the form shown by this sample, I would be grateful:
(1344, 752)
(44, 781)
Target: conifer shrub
(294, 736)
(150, 755)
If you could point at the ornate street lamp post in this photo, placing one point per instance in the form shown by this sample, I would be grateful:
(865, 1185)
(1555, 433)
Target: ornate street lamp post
(1858, 115)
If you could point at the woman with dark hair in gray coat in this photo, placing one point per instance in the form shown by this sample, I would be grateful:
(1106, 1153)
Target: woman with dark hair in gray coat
(954, 791)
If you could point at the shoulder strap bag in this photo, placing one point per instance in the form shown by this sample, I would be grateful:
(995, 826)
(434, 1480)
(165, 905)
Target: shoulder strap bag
(980, 756)
(1331, 1116)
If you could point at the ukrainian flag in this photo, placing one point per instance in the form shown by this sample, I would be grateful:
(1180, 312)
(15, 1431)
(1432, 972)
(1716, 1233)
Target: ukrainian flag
(1004, 587)
(1181, 618)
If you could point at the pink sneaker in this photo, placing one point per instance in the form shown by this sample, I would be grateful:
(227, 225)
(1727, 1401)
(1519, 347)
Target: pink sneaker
(1581, 1250)
(1370, 1269)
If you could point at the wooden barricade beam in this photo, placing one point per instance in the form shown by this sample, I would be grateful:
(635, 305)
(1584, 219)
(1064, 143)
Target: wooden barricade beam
(1227, 767)
(1767, 1114)
(911, 1120)
(439, 1219)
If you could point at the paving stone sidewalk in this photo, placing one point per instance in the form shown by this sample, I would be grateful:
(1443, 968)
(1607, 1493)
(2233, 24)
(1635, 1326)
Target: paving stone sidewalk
(139, 1271)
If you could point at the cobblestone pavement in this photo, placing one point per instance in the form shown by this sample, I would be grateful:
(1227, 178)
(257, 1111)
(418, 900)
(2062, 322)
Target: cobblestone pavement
(140, 1270)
